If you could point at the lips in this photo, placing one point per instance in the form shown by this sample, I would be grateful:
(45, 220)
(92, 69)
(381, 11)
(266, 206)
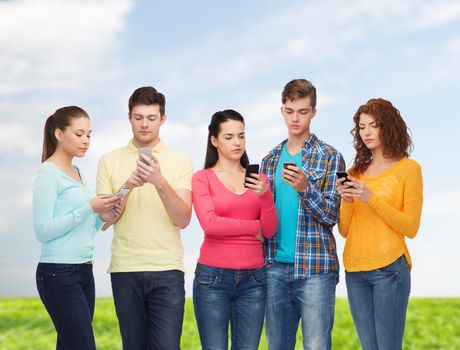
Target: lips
(236, 150)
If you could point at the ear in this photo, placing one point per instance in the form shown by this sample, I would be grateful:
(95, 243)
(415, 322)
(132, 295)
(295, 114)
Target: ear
(163, 119)
(214, 141)
(58, 134)
(313, 114)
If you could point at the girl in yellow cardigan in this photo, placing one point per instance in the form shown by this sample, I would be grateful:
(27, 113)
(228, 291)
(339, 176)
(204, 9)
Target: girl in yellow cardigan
(381, 206)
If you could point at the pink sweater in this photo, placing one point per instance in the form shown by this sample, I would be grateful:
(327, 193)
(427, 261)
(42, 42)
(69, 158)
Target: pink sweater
(231, 222)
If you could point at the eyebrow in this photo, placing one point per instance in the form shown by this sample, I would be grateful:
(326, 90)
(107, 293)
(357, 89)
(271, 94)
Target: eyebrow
(82, 130)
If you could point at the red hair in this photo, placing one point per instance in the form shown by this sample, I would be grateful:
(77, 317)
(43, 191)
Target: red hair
(394, 134)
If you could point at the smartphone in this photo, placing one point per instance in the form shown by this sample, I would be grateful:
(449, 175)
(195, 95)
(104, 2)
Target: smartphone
(285, 165)
(145, 150)
(122, 192)
(343, 174)
(251, 169)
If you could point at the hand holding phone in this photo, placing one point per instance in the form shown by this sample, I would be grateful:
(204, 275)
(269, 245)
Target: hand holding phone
(286, 164)
(251, 169)
(122, 192)
(147, 151)
(341, 175)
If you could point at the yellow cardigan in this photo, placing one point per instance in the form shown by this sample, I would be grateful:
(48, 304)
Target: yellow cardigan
(375, 231)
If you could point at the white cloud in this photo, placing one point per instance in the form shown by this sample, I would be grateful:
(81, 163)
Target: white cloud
(57, 44)
(433, 14)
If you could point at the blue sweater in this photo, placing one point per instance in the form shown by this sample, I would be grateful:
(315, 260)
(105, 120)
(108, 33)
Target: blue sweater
(64, 221)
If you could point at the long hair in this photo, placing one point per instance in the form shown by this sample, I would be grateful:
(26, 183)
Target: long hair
(214, 129)
(394, 134)
(60, 119)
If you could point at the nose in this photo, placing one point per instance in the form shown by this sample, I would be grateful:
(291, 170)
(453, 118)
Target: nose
(295, 116)
(144, 122)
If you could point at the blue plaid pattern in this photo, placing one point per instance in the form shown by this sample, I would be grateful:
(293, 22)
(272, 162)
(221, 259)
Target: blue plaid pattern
(319, 206)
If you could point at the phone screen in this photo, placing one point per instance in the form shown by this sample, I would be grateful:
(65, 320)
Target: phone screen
(342, 174)
(251, 169)
(285, 165)
(145, 150)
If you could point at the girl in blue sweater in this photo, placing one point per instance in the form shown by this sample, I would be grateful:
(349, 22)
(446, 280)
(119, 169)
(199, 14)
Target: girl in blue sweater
(67, 215)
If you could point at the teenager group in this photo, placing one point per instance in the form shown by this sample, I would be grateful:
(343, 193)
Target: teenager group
(268, 252)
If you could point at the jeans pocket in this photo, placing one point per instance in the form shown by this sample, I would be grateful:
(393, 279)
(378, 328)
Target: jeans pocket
(206, 276)
(56, 270)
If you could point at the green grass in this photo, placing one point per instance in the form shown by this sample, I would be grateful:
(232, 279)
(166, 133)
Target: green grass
(432, 323)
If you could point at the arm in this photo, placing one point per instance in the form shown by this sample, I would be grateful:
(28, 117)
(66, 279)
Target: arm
(178, 203)
(323, 204)
(407, 220)
(209, 220)
(346, 212)
(47, 226)
(268, 217)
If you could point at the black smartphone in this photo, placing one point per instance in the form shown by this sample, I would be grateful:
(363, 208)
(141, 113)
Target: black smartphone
(251, 169)
(343, 174)
(285, 165)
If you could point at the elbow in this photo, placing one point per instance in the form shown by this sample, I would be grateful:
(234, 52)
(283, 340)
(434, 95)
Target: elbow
(411, 233)
(184, 223)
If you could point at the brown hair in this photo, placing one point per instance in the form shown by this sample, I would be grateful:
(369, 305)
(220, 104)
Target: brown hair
(60, 119)
(299, 88)
(147, 95)
(394, 134)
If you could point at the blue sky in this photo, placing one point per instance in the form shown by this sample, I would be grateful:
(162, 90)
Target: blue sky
(208, 56)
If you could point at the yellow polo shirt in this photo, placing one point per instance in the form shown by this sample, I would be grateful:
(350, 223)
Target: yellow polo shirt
(145, 238)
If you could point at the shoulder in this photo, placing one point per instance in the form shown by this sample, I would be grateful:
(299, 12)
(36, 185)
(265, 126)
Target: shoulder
(114, 154)
(274, 151)
(411, 165)
(47, 169)
(177, 155)
(328, 152)
(201, 174)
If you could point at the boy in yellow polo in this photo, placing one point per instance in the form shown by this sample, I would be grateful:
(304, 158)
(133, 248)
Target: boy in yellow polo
(146, 268)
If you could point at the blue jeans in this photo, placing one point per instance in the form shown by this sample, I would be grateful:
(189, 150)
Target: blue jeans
(288, 300)
(68, 293)
(150, 308)
(223, 296)
(378, 303)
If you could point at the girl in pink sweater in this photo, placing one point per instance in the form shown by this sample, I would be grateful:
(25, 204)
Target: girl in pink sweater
(236, 213)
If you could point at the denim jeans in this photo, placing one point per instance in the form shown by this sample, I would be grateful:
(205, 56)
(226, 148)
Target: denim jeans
(223, 296)
(288, 300)
(68, 293)
(150, 308)
(378, 303)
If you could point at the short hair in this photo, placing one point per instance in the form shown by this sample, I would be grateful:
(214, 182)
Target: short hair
(299, 88)
(147, 95)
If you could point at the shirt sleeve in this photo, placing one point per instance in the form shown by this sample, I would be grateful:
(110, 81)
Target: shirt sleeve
(212, 223)
(346, 212)
(324, 203)
(103, 179)
(268, 215)
(407, 220)
(185, 178)
(47, 226)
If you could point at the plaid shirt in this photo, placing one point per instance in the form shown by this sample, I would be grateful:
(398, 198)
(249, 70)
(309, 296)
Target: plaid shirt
(319, 205)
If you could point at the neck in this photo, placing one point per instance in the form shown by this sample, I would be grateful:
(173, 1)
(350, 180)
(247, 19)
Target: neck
(61, 159)
(152, 143)
(379, 158)
(227, 165)
(295, 143)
